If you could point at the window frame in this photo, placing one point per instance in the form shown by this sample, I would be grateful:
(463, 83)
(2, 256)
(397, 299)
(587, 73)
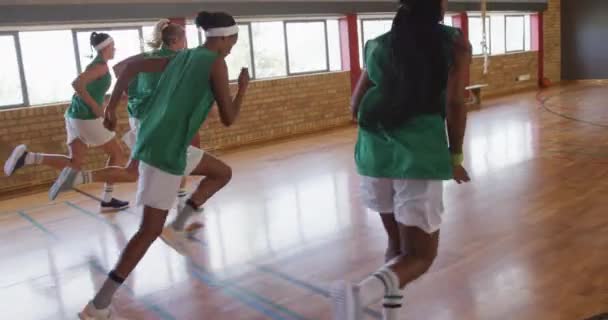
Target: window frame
(24, 93)
(488, 32)
(327, 67)
(523, 34)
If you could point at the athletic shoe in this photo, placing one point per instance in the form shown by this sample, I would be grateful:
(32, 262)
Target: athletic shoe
(345, 298)
(64, 182)
(16, 161)
(92, 313)
(114, 205)
(178, 239)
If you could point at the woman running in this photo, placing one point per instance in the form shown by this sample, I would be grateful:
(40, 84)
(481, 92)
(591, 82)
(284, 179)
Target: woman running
(191, 82)
(84, 125)
(414, 82)
(168, 39)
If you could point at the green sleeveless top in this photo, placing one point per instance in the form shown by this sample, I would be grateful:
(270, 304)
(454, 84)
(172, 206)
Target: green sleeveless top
(144, 84)
(177, 108)
(97, 89)
(418, 149)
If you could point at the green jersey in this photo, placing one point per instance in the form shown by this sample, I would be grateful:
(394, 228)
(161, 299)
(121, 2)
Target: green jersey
(175, 111)
(416, 150)
(97, 89)
(143, 86)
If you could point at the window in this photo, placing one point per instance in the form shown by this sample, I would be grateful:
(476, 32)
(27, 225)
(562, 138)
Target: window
(476, 34)
(49, 65)
(370, 29)
(194, 37)
(11, 93)
(269, 49)
(126, 42)
(306, 46)
(148, 35)
(334, 47)
(240, 57)
(515, 33)
(497, 34)
(528, 31)
(448, 21)
(34, 74)
(506, 33)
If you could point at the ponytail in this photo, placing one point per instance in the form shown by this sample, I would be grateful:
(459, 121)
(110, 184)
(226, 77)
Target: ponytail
(157, 37)
(417, 55)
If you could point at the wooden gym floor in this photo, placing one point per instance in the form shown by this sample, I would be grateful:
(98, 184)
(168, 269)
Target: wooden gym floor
(527, 239)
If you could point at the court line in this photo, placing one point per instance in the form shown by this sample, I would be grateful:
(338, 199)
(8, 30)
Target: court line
(542, 100)
(37, 224)
(286, 277)
(162, 313)
(244, 296)
(310, 287)
(40, 206)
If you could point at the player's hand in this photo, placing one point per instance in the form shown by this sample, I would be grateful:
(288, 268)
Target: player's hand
(109, 120)
(244, 78)
(460, 174)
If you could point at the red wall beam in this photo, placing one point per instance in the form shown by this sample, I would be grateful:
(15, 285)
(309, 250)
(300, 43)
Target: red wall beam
(349, 43)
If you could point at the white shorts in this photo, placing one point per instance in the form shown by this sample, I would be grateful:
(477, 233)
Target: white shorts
(91, 132)
(194, 155)
(156, 188)
(415, 203)
(131, 137)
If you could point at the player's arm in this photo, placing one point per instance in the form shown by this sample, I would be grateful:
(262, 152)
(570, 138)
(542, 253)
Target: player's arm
(228, 106)
(361, 88)
(131, 70)
(80, 86)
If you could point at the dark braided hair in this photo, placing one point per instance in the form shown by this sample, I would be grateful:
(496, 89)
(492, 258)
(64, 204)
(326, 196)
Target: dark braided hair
(420, 66)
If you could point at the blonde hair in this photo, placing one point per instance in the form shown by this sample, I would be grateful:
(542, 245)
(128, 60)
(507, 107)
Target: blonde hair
(165, 33)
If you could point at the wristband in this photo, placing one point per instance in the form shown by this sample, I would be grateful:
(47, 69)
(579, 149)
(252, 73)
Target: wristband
(457, 159)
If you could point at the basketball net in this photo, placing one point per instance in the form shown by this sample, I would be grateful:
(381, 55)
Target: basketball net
(484, 36)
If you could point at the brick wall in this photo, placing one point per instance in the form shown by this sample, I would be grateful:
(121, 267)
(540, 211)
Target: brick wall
(503, 72)
(273, 109)
(553, 52)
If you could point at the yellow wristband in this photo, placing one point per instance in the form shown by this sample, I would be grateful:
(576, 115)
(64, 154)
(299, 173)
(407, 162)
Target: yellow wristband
(457, 159)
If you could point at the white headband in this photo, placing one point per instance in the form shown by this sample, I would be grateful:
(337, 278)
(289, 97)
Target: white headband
(222, 32)
(104, 44)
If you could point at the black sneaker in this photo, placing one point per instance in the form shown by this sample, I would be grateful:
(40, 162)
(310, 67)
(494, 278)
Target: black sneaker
(114, 205)
(16, 160)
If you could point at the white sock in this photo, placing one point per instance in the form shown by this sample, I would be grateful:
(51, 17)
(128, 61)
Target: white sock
(181, 194)
(183, 216)
(382, 283)
(83, 177)
(391, 313)
(33, 158)
(107, 192)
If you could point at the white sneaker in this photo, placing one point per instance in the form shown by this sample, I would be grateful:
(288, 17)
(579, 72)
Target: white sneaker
(16, 160)
(91, 313)
(175, 239)
(64, 182)
(346, 301)
(179, 239)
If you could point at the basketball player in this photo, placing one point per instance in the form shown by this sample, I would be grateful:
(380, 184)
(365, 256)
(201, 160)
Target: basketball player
(413, 84)
(84, 125)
